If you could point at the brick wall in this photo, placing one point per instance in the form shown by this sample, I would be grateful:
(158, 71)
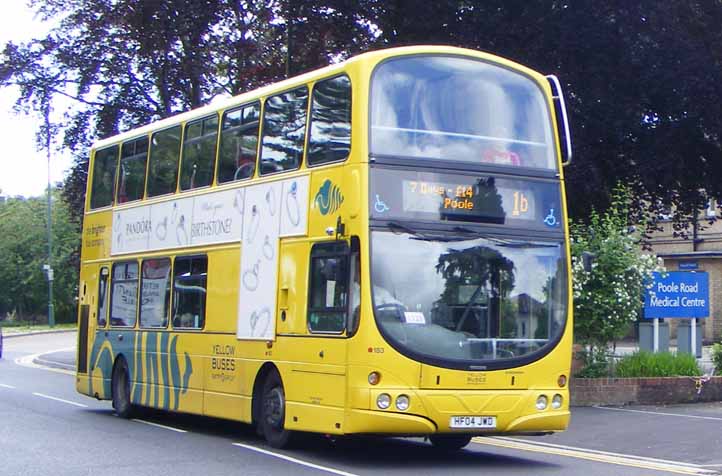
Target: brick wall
(643, 391)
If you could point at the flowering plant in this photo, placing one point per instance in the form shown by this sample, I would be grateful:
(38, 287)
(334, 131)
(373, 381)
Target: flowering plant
(609, 296)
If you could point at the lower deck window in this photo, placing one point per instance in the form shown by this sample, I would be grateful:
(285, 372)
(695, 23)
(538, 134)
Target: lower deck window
(155, 293)
(124, 294)
(190, 276)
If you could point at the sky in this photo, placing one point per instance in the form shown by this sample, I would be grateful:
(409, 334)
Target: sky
(23, 168)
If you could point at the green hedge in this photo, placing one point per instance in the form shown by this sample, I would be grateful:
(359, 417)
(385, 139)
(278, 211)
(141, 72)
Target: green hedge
(662, 364)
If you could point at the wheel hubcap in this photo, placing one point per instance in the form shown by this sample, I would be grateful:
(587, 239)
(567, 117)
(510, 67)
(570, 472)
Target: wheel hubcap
(273, 407)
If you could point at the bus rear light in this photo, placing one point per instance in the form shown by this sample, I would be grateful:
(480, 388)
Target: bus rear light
(374, 378)
(402, 402)
(541, 402)
(562, 381)
(383, 401)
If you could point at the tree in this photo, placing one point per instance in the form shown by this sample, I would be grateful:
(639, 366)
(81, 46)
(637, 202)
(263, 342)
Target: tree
(126, 63)
(23, 284)
(636, 75)
(636, 78)
(122, 64)
(608, 297)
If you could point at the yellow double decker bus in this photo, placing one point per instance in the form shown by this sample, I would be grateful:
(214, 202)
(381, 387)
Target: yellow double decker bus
(376, 247)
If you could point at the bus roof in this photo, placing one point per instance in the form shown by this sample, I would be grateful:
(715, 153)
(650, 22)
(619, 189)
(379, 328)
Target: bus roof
(372, 57)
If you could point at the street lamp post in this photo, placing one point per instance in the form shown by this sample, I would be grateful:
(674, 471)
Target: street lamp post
(48, 267)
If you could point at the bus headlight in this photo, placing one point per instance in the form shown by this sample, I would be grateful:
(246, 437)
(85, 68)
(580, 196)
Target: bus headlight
(383, 401)
(541, 402)
(402, 402)
(557, 401)
(374, 378)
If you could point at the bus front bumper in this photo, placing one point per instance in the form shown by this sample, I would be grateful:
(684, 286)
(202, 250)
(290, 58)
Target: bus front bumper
(513, 412)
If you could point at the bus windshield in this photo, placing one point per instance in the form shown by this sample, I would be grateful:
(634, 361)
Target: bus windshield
(456, 300)
(459, 109)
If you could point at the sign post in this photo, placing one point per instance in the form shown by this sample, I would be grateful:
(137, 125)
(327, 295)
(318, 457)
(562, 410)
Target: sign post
(656, 335)
(678, 294)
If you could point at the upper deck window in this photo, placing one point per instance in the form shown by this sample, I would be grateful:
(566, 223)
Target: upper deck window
(133, 158)
(239, 143)
(330, 136)
(459, 109)
(163, 169)
(104, 166)
(199, 153)
(284, 131)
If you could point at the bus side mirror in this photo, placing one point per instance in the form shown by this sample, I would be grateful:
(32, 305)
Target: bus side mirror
(560, 110)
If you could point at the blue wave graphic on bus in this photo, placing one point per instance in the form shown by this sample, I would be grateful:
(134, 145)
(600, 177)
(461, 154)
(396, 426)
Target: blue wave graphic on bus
(329, 198)
(162, 386)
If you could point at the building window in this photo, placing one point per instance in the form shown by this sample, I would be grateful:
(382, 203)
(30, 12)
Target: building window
(124, 297)
(104, 166)
(155, 293)
(199, 153)
(330, 135)
(190, 276)
(328, 296)
(284, 131)
(163, 168)
(239, 143)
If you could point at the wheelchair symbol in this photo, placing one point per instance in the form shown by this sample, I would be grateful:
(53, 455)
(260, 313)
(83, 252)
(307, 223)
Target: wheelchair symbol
(380, 206)
(550, 219)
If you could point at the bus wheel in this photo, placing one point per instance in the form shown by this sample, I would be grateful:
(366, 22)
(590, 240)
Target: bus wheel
(450, 442)
(121, 390)
(273, 412)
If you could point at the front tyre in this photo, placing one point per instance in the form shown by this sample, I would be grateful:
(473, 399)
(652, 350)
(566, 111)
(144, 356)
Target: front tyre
(273, 412)
(449, 442)
(121, 390)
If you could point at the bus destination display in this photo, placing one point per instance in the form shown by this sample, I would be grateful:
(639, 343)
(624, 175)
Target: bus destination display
(482, 199)
(422, 196)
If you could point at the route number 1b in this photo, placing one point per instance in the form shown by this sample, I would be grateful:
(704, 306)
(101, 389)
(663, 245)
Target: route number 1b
(521, 204)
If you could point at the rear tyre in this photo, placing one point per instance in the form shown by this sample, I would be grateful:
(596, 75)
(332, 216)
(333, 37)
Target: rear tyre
(121, 390)
(449, 442)
(273, 412)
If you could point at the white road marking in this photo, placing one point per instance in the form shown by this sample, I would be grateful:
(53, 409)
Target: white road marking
(599, 452)
(28, 361)
(48, 363)
(4, 385)
(649, 412)
(158, 425)
(59, 400)
(295, 460)
(601, 457)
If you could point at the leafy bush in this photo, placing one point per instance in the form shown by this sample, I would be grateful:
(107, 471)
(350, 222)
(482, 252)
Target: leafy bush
(607, 297)
(595, 363)
(717, 358)
(662, 364)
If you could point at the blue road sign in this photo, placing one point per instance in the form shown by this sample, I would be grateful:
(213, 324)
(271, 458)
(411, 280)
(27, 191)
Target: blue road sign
(678, 294)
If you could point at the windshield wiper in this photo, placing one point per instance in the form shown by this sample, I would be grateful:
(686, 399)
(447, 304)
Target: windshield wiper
(526, 244)
(397, 228)
(463, 229)
(401, 227)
